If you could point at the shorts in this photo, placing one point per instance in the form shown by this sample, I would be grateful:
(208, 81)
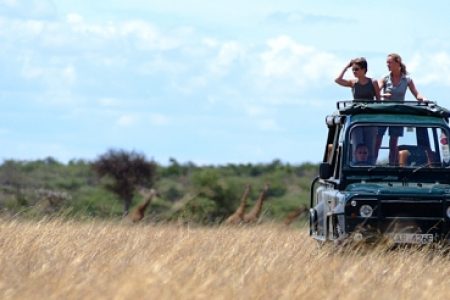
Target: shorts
(393, 130)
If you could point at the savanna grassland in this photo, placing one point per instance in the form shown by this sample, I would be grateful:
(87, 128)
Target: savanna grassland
(55, 258)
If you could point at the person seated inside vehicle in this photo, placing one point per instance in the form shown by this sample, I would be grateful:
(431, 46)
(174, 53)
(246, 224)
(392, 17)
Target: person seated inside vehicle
(365, 135)
(416, 156)
(361, 155)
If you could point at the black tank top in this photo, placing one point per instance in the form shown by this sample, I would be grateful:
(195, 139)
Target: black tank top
(364, 91)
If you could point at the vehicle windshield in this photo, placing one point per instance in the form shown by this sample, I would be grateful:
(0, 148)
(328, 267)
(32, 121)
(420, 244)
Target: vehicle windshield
(398, 146)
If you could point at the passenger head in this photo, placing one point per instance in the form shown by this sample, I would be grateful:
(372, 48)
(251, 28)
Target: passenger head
(394, 61)
(361, 153)
(359, 65)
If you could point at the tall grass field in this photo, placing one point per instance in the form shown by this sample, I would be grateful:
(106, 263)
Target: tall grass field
(61, 259)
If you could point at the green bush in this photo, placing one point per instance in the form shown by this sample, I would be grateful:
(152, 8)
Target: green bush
(188, 192)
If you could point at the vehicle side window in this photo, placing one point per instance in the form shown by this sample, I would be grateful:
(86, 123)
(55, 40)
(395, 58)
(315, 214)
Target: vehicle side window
(331, 150)
(442, 148)
(339, 139)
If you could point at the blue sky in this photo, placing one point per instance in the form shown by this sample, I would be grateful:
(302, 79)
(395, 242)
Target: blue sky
(212, 82)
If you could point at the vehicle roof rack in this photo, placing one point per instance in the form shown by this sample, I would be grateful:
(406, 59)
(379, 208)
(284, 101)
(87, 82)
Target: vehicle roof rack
(348, 103)
(428, 108)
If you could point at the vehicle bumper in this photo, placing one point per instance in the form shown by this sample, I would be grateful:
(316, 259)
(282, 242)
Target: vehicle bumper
(399, 230)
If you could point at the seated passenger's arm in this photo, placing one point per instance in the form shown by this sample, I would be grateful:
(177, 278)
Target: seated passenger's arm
(403, 157)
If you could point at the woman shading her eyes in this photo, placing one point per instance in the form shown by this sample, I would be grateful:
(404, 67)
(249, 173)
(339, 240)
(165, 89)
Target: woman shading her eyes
(363, 87)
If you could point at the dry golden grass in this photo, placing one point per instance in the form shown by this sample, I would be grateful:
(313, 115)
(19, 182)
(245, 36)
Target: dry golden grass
(56, 259)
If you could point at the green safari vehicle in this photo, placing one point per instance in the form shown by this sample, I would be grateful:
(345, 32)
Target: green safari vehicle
(385, 174)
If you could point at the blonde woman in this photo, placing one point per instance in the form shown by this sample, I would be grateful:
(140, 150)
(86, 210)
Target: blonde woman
(393, 87)
(395, 84)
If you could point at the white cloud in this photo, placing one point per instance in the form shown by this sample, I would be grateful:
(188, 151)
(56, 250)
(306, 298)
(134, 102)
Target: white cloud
(229, 53)
(210, 42)
(437, 72)
(69, 74)
(74, 18)
(28, 8)
(127, 120)
(79, 25)
(283, 54)
(35, 69)
(29, 70)
(147, 36)
(286, 59)
(30, 28)
(139, 34)
(9, 3)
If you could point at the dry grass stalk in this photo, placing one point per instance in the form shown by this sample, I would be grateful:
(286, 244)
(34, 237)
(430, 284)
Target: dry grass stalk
(55, 259)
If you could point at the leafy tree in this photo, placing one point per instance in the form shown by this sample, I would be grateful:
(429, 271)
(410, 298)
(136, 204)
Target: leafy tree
(127, 170)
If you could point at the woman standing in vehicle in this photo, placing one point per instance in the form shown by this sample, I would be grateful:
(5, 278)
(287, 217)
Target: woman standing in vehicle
(394, 86)
(363, 87)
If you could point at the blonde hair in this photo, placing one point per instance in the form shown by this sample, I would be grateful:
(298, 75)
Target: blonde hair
(398, 59)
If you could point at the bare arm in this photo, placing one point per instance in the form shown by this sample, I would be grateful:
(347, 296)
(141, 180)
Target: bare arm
(380, 88)
(415, 92)
(340, 79)
(381, 83)
(377, 89)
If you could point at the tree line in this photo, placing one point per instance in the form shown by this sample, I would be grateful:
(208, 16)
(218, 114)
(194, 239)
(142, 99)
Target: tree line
(107, 187)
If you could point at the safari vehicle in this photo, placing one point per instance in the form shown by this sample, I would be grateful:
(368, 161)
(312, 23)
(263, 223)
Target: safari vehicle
(400, 191)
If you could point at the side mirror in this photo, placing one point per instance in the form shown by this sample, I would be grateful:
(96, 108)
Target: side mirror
(325, 170)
